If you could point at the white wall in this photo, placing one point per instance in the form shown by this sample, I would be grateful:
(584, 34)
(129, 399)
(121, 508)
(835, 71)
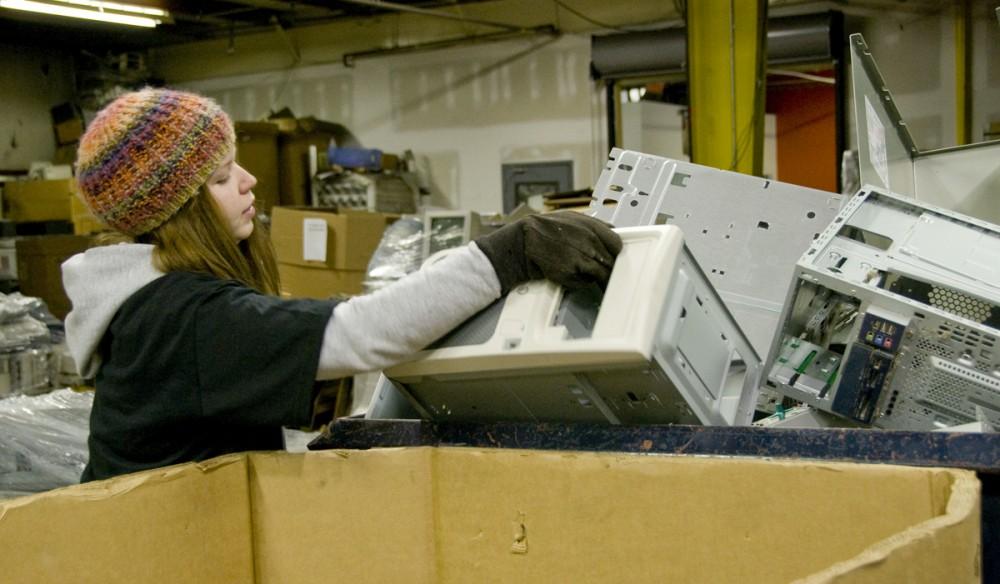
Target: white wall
(469, 109)
(658, 128)
(915, 53)
(466, 110)
(34, 81)
(985, 69)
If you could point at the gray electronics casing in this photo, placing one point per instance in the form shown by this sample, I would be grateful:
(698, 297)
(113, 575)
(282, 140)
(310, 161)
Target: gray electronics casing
(920, 349)
(746, 232)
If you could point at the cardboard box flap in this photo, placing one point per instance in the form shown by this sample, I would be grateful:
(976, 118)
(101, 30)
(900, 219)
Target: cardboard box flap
(907, 556)
(248, 129)
(187, 523)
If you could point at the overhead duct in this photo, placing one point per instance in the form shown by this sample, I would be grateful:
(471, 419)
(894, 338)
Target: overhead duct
(790, 39)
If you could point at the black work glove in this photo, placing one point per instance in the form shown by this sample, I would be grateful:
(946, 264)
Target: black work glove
(568, 248)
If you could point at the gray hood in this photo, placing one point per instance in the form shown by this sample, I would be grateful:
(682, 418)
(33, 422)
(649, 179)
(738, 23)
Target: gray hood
(98, 282)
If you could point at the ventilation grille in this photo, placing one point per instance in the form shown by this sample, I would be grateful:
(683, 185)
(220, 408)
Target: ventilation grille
(925, 345)
(968, 345)
(944, 368)
(959, 304)
(948, 391)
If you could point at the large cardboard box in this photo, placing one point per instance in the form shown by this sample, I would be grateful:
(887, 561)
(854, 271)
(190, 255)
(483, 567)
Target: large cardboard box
(84, 222)
(39, 200)
(294, 140)
(469, 515)
(303, 282)
(257, 151)
(324, 252)
(351, 236)
(68, 131)
(67, 121)
(328, 262)
(49, 200)
(65, 154)
(39, 267)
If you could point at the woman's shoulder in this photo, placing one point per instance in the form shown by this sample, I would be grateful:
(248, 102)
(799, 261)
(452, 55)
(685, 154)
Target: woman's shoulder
(209, 298)
(179, 299)
(182, 287)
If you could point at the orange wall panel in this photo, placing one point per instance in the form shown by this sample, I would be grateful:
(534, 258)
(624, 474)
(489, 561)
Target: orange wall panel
(806, 126)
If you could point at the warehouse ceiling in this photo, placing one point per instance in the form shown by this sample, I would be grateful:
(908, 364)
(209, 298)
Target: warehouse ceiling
(194, 21)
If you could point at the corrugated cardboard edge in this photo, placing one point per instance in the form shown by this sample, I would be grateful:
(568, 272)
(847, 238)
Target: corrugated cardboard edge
(107, 489)
(903, 549)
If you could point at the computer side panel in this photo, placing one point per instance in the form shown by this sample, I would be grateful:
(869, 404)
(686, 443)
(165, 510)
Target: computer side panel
(746, 232)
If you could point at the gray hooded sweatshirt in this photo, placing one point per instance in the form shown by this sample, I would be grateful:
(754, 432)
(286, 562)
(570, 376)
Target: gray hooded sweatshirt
(365, 333)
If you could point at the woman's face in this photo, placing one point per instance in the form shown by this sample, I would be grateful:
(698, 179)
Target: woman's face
(230, 186)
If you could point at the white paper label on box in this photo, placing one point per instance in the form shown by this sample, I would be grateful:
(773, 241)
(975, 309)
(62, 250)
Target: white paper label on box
(314, 239)
(876, 143)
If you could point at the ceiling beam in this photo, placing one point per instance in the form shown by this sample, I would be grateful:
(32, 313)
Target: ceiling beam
(434, 13)
(296, 7)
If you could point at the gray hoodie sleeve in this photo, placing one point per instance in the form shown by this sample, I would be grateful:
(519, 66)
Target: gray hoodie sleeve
(378, 330)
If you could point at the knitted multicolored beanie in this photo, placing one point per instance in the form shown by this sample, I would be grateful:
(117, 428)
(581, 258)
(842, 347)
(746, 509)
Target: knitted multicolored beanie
(147, 153)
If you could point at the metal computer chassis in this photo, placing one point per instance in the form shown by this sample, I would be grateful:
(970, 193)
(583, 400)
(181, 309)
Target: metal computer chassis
(746, 232)
(892, 318)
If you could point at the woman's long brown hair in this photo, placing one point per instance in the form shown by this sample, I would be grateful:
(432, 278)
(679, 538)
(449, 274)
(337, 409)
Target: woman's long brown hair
(196, 239)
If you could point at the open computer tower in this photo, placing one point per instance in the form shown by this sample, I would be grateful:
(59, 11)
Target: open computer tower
(893, 318)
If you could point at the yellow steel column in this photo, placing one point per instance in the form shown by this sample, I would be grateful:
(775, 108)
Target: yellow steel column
(726, 82)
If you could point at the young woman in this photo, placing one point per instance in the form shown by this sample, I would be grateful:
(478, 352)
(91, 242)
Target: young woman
(179, 322)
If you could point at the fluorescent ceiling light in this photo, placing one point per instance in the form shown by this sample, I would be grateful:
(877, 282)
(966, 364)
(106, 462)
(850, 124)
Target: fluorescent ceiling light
(149, 11)
(95, 11)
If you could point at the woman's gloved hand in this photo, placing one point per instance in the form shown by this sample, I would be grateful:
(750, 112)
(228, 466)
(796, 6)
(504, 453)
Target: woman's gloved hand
(568, 248)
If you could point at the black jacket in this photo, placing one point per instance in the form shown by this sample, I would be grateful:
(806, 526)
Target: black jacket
(195, 367)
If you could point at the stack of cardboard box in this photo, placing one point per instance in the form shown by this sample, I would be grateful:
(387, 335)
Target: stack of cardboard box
(39, 267)
(53, 224)
(276, 152)
(257, 151)
(35, 201)
(67, 125)
(324, 252)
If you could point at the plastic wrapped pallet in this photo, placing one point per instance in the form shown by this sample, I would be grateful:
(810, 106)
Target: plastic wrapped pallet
(399, 253)
(25, 345)
(43, 445)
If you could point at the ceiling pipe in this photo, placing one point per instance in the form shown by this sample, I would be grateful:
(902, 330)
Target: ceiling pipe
(350, 58)
(435, 14)
(280, 6)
